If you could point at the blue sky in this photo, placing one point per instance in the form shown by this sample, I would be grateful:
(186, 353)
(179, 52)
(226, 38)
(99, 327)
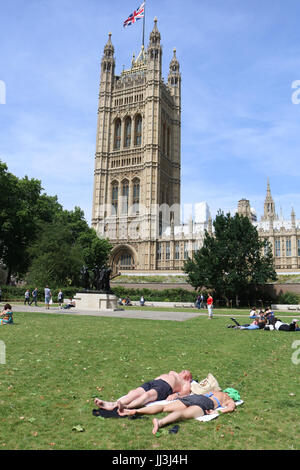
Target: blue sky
(238, 61)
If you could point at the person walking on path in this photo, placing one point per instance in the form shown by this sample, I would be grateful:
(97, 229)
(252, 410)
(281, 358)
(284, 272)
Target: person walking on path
(34, 296)
(48, 297)
(27, 297)
(210, 302)
(60, 298)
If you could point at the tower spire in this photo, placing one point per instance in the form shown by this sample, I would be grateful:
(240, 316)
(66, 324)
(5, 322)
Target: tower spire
(269, 205)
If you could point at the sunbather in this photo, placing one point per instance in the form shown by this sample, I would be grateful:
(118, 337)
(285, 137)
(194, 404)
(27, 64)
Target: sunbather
(257, 324)
(191, 406)
(277, 324)
(165, 387)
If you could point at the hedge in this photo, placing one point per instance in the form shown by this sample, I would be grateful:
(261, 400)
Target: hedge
(165, 295)
(10, 293)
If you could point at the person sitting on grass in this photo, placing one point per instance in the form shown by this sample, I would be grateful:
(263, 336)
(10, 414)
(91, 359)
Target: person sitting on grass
(188, 407)
(253, 313)
(6, 316)
(70, 304)
(165, 387)
(269, 315)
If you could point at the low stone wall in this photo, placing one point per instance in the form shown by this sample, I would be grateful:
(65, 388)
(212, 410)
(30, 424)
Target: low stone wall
(152, 285)
(286, 308)
(164, 304)
(279, 289)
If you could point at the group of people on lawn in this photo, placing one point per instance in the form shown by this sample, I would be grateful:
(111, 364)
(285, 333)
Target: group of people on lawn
(265, 320)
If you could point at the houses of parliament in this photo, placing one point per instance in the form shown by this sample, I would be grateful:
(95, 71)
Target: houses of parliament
(137, 177)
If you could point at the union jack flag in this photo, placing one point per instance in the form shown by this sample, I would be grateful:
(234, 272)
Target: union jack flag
(136, 15)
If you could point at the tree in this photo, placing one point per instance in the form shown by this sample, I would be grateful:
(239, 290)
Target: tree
(233, 261)
(63, 247)
(95, 250)
(39, 238)
(56, 259)
(18, 228)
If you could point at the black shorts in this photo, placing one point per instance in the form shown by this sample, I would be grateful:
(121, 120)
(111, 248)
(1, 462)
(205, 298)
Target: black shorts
(162, 388)
(198, 400)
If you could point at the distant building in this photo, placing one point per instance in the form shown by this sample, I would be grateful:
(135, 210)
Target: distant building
(137, 177)
(283, 234)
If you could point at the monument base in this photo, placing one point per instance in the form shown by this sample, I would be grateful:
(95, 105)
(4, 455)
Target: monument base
(95, 301)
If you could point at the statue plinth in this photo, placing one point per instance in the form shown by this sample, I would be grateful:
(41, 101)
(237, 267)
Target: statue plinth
(95, 300)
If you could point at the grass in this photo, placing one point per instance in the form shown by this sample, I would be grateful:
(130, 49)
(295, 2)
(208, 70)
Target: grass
(57, 364)
(150, 279)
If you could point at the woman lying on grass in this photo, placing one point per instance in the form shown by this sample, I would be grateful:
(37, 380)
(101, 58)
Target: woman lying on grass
(6, 316)
(190, 406)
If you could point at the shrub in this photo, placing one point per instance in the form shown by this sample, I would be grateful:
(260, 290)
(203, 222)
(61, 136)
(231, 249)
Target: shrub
(288, 298)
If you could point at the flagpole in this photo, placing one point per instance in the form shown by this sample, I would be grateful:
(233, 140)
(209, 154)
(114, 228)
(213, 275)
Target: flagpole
(143, 43)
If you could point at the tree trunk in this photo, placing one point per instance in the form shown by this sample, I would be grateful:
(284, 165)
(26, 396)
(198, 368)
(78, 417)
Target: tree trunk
(8, 276)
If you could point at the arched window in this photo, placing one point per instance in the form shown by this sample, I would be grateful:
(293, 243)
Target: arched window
(125, 192)
(127, 136)
(115, 197)
(117, 139)
(138, 131)
(126, 260)
(136, 196)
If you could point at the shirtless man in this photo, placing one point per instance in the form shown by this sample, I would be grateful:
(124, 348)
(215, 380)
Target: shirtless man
(165, 387)
(192, 406)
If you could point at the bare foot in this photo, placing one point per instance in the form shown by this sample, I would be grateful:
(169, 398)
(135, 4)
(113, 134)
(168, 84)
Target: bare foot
(120, 406)
(106, 405)
(155, 426)
(126, 412)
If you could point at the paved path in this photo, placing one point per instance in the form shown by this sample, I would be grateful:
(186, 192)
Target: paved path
(140, 314)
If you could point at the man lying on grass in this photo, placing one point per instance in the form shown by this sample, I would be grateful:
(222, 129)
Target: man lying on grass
(191, 406)
(165, 387)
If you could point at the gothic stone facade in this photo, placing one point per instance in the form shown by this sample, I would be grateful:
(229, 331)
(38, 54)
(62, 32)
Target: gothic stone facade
(137, 164)
(136, 200)
(282, 234)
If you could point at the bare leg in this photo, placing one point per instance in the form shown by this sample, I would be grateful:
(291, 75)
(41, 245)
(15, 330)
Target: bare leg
(130, 397)
(178, 415)
(154, 409)
(145, 397)
(106, 405)
(147, 410)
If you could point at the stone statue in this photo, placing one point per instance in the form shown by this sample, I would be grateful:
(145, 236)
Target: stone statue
(85, 277)
(96, 272)
(106, 280)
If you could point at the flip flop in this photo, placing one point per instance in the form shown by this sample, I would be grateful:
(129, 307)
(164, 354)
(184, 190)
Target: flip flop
(174, 429)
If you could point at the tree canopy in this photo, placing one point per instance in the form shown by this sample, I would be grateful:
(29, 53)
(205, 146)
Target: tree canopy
(39, 240)
(233, 260)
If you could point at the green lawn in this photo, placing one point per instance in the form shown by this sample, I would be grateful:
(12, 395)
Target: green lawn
(57, 364)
